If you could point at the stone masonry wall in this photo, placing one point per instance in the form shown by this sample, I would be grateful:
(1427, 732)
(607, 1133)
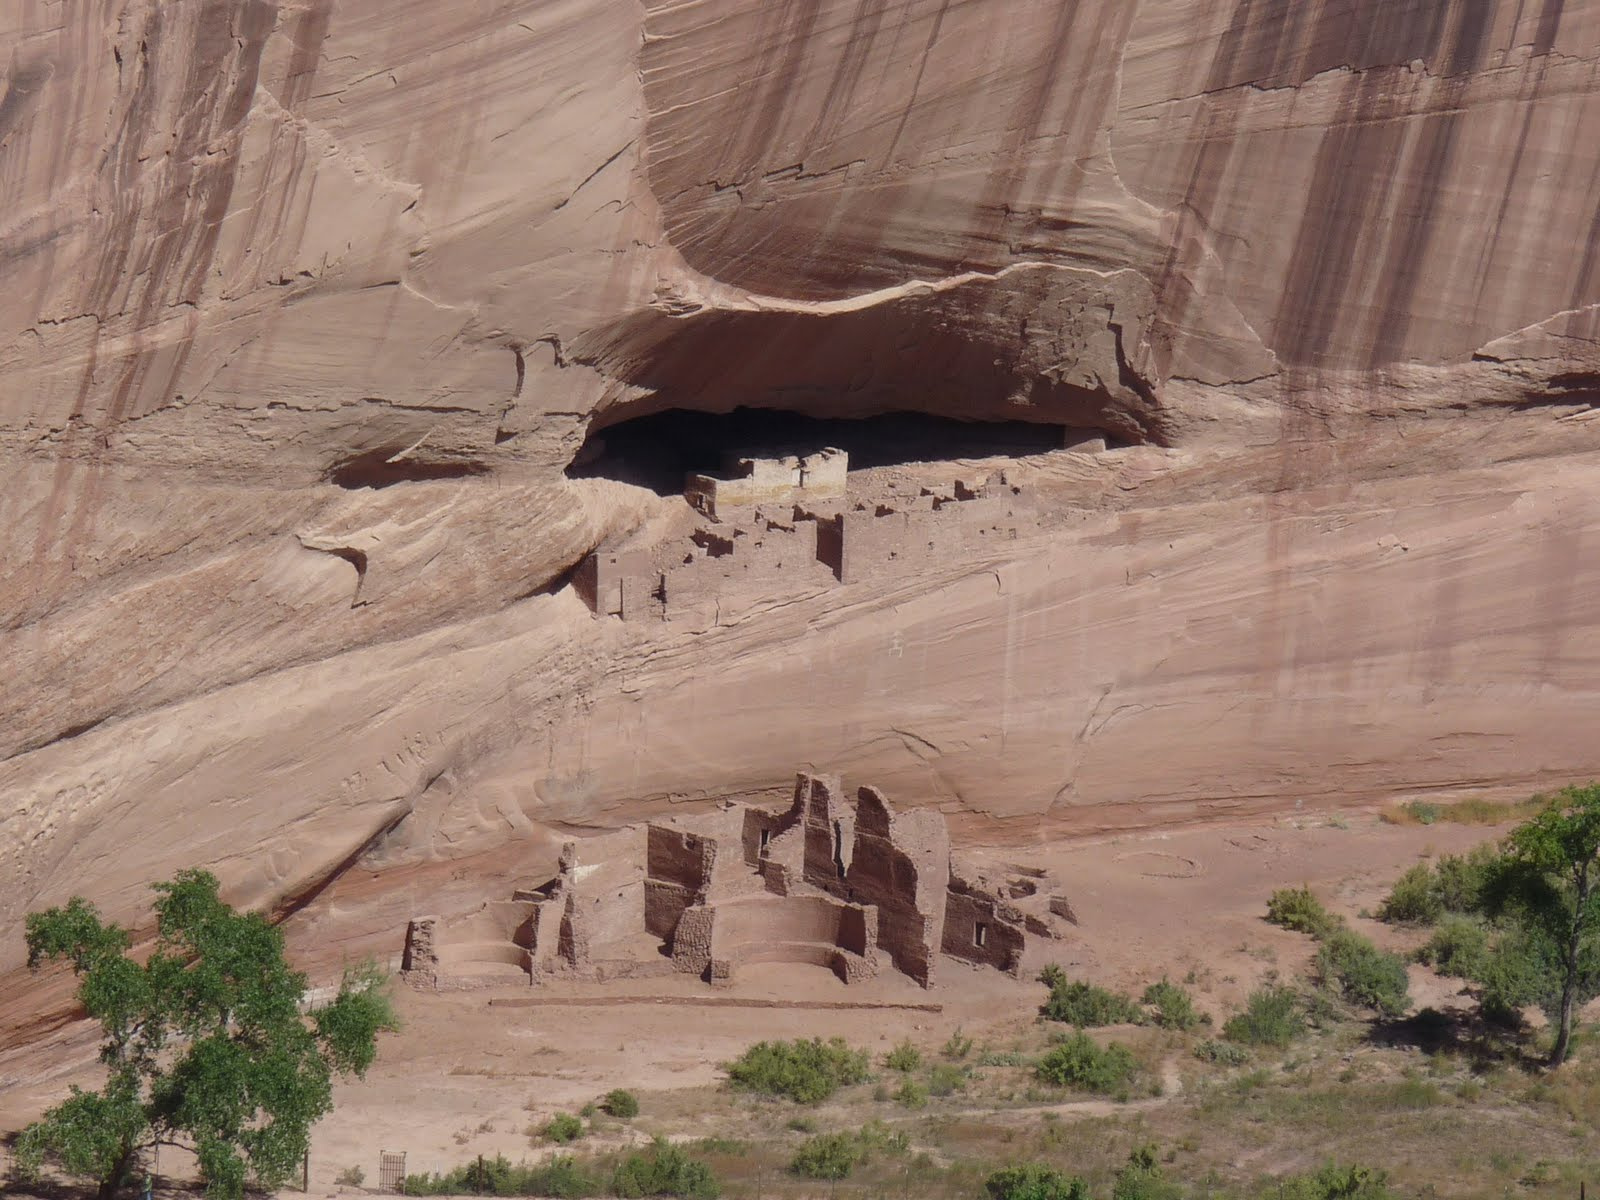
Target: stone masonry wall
(969, 917)
(901, 864)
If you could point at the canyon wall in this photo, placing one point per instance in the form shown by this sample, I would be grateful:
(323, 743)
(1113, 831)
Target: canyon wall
(311, 303)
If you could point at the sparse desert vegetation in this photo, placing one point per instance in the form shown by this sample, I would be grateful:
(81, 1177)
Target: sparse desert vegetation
(806, 1072)
(1307, 1065)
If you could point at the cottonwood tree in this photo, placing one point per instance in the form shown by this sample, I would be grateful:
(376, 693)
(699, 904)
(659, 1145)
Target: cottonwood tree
(206, 1045)
(1549, 884)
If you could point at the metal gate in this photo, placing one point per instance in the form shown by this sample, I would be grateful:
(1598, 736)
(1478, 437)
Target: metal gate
(392, 1171)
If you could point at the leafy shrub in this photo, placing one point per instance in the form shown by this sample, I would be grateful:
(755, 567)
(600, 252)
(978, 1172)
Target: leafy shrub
(621, 1103)
(1300, 910)
(1514, 974)
(563, 1128)
(562, 1176)
(664, 1170)
(1413, 900)
(835, 1155)
(1087, 1006)
(1224, 1054)
(911, 1094)
(1335, 1182)
(1364, 974)
(876, 1137)
(1052, 976)
(904, 1057)
(1034, 1181)
(826, 1156)
(1272, 1016)
(1455, 884)
(1002, 1058)
(1141, 1178)
(350, 1177)
(946, 1079)
(1078, 1062)
(1174, 1007)
(1459, 947)
(958, 1046)
(807, 1072)
(1424, 812)
(1462, 883)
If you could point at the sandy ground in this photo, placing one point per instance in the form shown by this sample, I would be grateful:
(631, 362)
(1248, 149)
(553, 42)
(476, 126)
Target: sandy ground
(467, 1076)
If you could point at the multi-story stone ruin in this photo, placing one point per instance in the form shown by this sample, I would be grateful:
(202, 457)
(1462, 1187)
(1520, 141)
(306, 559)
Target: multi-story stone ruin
(790, 520)
(846, 884)
(750, 479)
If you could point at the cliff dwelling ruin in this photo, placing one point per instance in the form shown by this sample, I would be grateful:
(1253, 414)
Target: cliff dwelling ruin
(843, 883)
(796, 517)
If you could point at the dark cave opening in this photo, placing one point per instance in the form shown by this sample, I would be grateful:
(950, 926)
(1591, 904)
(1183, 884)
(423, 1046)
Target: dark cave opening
(658, 450)
(388, 466)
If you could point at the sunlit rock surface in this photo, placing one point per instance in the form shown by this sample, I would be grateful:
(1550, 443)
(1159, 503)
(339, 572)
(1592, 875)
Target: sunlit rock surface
(310, 304)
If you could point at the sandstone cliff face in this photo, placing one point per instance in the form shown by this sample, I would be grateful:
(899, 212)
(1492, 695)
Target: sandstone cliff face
(311, 303)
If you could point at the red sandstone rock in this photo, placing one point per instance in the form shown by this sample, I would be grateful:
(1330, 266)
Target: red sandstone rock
(309, 305)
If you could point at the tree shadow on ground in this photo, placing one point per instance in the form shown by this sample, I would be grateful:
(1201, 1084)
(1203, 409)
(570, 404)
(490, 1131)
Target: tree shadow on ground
(1486, 1045)
(49, 1185)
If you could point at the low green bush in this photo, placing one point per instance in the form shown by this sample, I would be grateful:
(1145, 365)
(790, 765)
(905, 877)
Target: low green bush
(1272, 1016)
(958, 1045)
(806, 1072)
(1174, 1007)
(562, 1176)
(1141, 1178)
(911, 1094)
(1002, 1058)
(835, 1155)
(563, 1128)
(1034, 1181)
(1454, 884)
(1224, 1054)
(1413, 900)
(1463, 882)
(664, 1170)
(1300, 910)
(826, 1156)
(904, 1057)
(1459, 947)
(1333, 1182)
(946, 1079)
(877, 1138)
(1077, 1062)
(1051, 975)
(1364, 974)
(1087, 1006)
(1515, 973)
(1424, 812)
(621, 1103)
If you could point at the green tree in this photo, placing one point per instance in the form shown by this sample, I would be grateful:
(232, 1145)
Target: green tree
(205, 1044)
(1550, 884)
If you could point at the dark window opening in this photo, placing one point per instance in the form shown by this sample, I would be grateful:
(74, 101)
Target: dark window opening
(658, 450)
(766, 839)
(980, 934)
(838, 848)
